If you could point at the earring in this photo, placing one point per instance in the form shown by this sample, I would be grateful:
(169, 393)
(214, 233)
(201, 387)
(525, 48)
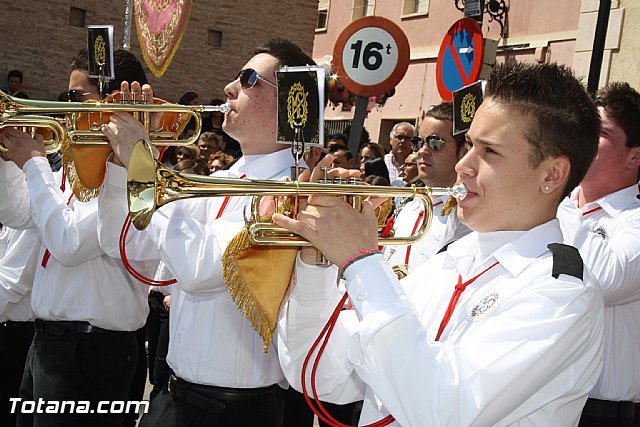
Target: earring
(546, 188)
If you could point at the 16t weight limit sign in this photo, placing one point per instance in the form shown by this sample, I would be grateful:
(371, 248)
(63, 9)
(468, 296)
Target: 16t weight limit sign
(371, 55)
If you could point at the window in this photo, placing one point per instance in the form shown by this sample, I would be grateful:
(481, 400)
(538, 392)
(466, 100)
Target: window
(214, 38)
(362, 8)
(77, 17)
(415, 6)
(323, 14)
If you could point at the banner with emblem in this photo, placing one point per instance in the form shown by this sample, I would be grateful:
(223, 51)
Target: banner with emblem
(160, 25)
(301, 105)
(100, 51)
(466, 102)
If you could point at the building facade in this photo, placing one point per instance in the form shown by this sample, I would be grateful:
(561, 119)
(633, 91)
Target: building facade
(40, 38)
(537, 31)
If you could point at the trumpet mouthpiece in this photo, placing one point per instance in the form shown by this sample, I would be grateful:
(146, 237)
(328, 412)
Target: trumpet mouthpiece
(223, 108)
(459, 191)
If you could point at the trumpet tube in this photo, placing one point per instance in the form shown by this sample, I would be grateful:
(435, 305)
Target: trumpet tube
(12, 109)
(152, 185)
(52, 130)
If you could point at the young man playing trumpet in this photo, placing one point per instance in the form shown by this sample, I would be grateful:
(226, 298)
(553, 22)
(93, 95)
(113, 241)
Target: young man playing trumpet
(522, 345)
(222, 376)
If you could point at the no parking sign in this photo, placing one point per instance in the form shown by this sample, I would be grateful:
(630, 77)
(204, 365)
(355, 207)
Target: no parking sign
(460, 58)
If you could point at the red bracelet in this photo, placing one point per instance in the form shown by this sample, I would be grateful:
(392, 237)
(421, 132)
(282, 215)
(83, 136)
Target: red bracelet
(364, 253)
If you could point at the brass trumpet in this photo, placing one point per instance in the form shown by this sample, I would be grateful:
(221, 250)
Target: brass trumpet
(151, 185)
(83, 121)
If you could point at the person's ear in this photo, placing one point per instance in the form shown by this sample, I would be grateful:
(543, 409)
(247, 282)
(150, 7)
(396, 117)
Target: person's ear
(555, 174)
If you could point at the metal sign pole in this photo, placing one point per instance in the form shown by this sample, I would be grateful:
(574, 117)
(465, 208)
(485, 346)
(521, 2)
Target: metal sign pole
(126, 42)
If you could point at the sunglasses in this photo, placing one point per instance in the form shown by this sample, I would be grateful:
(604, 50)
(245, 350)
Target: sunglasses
(435, 142)
(406, 164)
(249, 77)
(76, 95)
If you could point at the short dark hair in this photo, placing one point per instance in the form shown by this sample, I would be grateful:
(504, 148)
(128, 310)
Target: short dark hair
(347, 154)
(621, 102)
(376, 167)
(125, 65)
(286, 52)
(187, 98)
(564, 120)
(444, 111)
(15, 73)
(338, 137)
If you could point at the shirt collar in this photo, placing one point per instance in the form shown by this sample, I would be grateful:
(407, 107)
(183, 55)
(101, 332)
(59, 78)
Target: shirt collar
(264, 166)
(612, 203)
(516, 253)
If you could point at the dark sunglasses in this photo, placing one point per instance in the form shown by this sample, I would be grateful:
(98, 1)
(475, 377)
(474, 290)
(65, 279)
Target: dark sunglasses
(435, 142)
(76, 95)
(249, 77)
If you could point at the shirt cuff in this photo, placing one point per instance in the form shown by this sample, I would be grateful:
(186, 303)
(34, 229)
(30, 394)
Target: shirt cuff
(374, 290)
(38, 171)
(313, 282)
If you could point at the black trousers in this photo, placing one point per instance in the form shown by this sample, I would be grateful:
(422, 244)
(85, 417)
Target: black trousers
(15, 339)
(206, 406)
(298, 414)
(605, 413)
(136, 391)
(77, 366)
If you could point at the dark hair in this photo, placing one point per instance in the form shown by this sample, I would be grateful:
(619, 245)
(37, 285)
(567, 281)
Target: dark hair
(199, 166)
(187, 98)
(376, 167)
(15, 73)
(376, 148)
(444, 111)
(286, 52)
(338, 137)
(125, 65)
(377, 180)
(621, 102)
(564, 120)
(336, 147)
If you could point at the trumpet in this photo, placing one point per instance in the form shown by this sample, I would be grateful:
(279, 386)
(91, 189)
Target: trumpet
(83, 119)
(151, 185)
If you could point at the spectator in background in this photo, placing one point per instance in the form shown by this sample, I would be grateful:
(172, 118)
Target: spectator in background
(14, 84)
(401, 136)
(209, 144)
(187, 152)
(192, 166)
(336, 139)
(371, 151)
(219, 161)
(410, 169)
(342, 158)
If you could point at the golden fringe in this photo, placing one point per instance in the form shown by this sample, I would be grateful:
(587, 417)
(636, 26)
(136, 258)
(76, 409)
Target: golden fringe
(81, 192)
(240, 293)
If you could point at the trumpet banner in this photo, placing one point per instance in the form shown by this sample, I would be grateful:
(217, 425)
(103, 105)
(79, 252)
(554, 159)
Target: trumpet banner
(160, 26)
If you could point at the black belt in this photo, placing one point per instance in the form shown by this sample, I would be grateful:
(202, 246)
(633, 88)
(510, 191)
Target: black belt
(12, 324)
(62, 327)
(609, 409)
(214, 399)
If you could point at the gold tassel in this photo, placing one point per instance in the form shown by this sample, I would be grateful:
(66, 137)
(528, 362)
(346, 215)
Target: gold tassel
(81, 192)
(449, 206)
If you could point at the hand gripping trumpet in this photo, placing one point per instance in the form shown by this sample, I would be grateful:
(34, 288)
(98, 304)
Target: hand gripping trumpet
(151, 185)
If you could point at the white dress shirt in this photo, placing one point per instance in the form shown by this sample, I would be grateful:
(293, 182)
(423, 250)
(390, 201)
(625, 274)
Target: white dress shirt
(211, 342)
(521, 348)
(80, 282)
(442, 231)
(17, 271)
(4, 240)
(607, 233)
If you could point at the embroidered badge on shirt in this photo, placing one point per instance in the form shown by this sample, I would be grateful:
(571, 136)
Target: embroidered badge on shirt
(600, 231)
(484, 306)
